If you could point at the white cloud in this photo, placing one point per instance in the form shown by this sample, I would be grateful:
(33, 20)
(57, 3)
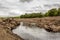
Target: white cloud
(13, 7)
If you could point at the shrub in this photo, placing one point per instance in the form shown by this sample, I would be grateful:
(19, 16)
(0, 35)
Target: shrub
(32, 15)
(58, 13)
(52, 12)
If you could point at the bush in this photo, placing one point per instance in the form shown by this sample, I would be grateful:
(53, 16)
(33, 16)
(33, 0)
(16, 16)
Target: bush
(52, 12)
(58, 12)
(32, 15)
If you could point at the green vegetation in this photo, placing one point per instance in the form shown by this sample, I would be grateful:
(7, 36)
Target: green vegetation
(33, 15)
(52, 12)
(58, 12)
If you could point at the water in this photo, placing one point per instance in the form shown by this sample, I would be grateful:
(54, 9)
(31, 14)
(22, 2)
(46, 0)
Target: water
(35, 33)
(18, 7)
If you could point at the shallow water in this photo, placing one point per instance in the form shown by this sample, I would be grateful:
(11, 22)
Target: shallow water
(35, 33)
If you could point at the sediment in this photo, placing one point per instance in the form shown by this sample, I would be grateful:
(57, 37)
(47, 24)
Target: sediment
(50, 24)
(6, 27)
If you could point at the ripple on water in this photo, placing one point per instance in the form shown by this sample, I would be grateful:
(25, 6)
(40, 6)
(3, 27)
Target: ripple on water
(35, 33)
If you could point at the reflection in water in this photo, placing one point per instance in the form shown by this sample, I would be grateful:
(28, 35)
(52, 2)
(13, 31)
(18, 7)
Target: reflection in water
(35, 33)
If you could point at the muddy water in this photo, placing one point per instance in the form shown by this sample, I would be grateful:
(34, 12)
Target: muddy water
(35, 33)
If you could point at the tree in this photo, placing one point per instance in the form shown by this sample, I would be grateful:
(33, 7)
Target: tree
(52, 12)
(58, 13)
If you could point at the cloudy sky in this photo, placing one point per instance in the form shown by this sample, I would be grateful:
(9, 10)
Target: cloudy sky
(18, 7)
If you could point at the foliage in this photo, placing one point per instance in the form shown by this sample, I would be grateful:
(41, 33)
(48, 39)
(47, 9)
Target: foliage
(58, 13)
(32, 15)
(52, 12)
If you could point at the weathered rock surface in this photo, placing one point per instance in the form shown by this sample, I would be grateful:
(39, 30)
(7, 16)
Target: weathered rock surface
(51, 24)
(6, 27)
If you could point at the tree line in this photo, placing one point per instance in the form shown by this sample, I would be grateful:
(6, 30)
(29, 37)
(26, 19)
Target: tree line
(51, 12)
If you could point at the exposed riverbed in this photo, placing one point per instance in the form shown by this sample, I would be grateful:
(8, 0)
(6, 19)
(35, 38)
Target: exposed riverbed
(35, 33)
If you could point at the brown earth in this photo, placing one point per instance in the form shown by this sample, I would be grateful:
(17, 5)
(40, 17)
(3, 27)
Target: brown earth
(6, 27)
(51, 24)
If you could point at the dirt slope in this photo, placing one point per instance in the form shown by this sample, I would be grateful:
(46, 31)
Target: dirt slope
(48, 23)
(51, 24)
(6, 27)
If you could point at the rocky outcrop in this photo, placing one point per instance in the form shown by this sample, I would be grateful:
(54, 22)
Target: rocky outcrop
(50, 24)
(6, 27)
(53, 26)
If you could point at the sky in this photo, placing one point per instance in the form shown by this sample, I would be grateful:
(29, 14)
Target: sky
(19, 7)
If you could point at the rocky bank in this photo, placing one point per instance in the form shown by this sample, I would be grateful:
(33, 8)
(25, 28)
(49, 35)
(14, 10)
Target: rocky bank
(6, 27)
(50, 24)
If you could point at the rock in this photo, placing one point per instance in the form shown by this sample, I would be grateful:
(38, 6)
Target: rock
(6, 34)
(6, 27)
(51, 24)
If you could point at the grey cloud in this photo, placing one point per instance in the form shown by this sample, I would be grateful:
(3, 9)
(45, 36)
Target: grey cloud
(51, 5)
(26, 0)
(23, 6)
